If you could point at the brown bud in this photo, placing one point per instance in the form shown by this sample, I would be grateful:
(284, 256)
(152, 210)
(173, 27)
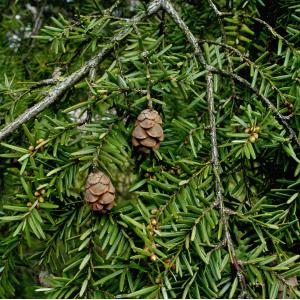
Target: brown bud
(41, 199)
(257, 129)
(99, 192)
(157, 280)
(147, 133)
(252, 139)
(43, 191)
(39, 141)
(36, 193)
(31, 148)
(29, 204)
(154, 211)
(154, 222)
(154, 245)
(153, 258)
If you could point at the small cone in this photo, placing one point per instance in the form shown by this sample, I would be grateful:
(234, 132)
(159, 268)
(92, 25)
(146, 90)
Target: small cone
(99, 192)
(147, 133)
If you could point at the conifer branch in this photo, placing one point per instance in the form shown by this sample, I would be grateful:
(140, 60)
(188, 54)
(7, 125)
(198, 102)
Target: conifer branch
(214, 146)
(193, 41)
(55, 94)
(42, 83)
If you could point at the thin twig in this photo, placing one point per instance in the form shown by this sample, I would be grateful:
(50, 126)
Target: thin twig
(270, 105)
(258, 20)
(69, 81)
(247, 61)
(89, 114)
(224, 40)
(38, 20)
(269, 27)
(112, 8)
(42, 83)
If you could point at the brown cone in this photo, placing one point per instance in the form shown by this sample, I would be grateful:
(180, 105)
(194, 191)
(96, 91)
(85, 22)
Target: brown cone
(147, 133)
(99, 192)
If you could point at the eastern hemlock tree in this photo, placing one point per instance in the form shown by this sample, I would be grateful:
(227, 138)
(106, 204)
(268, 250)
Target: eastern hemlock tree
(150, 149)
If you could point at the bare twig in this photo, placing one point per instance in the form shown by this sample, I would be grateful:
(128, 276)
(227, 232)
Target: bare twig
(215, 9)
(38, 19)
(92, 76)
(42, 83)
(112, 8)
(56, 92)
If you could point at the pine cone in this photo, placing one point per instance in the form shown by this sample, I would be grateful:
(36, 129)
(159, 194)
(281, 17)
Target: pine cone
(148, 132)
(99, 192)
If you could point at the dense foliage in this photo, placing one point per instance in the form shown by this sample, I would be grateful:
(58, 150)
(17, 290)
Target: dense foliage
(185, 226)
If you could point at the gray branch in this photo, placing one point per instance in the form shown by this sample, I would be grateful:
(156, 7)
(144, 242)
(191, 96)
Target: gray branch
(55, 94)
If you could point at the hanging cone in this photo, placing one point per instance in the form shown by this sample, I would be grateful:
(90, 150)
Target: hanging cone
(147, 133)
(99, 192)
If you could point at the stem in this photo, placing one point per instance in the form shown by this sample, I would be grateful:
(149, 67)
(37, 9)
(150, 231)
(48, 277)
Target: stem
(69, 81)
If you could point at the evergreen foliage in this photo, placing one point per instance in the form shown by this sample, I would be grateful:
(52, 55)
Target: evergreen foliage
(202, 216)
